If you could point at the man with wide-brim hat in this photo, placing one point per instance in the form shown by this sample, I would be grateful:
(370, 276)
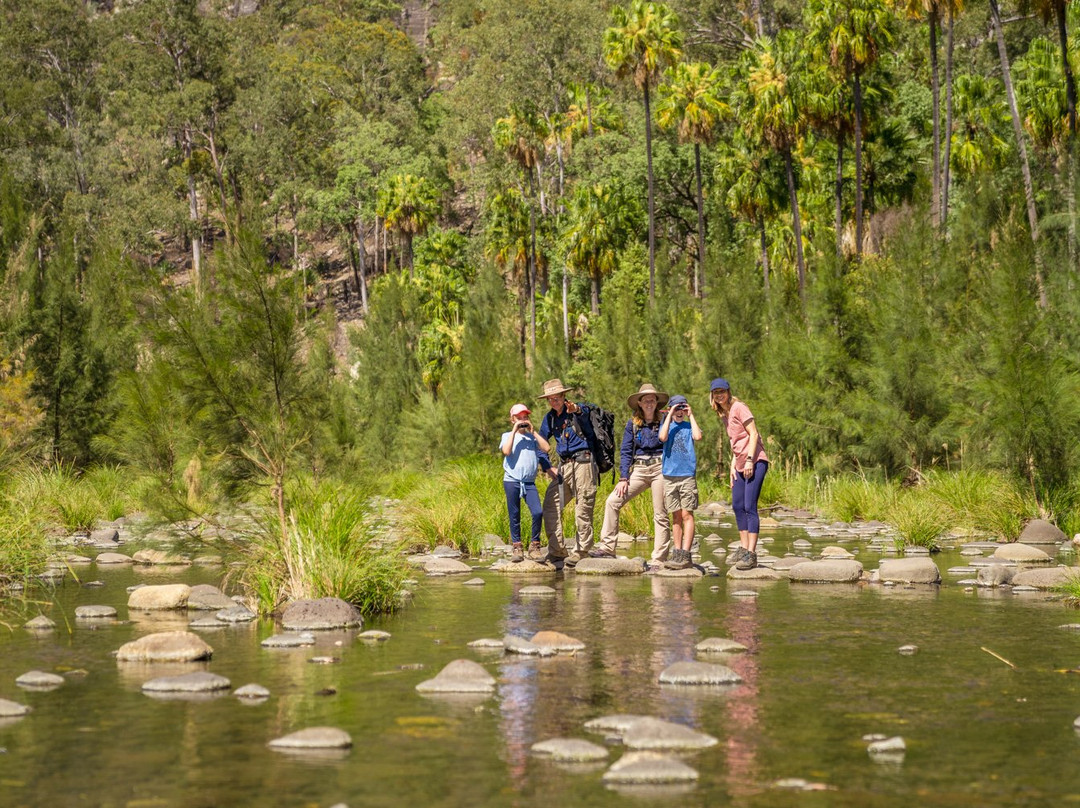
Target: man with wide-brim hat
(640, 459)
(566, 426)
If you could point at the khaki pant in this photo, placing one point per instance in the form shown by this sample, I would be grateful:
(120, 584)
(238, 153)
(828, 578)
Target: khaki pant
(579, 483)
(642, 478)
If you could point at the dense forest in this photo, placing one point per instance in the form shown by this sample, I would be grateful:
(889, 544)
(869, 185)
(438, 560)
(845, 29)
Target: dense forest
(243, 239)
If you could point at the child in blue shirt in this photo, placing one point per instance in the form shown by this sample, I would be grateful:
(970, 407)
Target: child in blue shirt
(524, 451)
(679, 467)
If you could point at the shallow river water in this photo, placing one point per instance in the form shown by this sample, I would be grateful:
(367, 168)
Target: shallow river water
(823, 670)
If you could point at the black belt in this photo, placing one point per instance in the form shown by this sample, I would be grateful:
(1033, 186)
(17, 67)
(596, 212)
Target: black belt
(584, 456)
(648, 460)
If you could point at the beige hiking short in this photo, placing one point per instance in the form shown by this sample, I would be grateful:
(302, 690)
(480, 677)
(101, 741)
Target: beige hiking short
(680, 494)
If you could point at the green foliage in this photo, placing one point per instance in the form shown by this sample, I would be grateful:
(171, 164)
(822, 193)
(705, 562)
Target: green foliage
(458, 505)
(918, 521)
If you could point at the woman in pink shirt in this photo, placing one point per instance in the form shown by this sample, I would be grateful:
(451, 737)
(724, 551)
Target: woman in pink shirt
(748, 468)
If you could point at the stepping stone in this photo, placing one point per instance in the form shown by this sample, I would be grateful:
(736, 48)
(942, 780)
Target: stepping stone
(1022, 553)
(443, 551)
(208, 598)
(12, 709)
(537, 592)
(526, 567)
(756, 574)
(827, 571)
(475, 582)
(1040, 531)
(570, 750)
(460, 676)
(40, 623)
(165, 646)
(487, 644)
(610, 566)
(320, 615)
(888, 746)
(236, 614)
(40, 680)
(252, 691)
(159, 558)
(801, 544)
(289, 640)
(995, 575)
(698, 673)
(719, 645)
(77, 560)
(446, 566)
(519, 645)
(94, 612)
(325, 660)
(313, 738)
(198, 682)
(374, 636)
(114, 558)
(1045, 578)
(208, 621)
(689, 572)
(615, 725)
(909, 571)
(159, 598)
(649, 768)
(556, 641)
(832, 551)
(656, 735)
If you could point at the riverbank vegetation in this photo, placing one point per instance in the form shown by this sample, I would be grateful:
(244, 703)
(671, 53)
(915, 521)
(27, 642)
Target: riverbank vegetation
(251, 250)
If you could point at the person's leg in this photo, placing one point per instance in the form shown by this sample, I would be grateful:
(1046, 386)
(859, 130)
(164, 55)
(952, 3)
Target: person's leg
(585, 479)
(536, 510)
(661, 522)
(738, 508)
(750, 504)
(609, 533)
(512, 488)
(553, 521)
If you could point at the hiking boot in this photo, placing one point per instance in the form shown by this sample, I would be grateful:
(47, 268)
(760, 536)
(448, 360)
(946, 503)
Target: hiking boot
(572, 559)
(515, 553)
(747, 562)
(736, 555)
(556, 562)
(680, 560)
(536, 553)
(600, 552)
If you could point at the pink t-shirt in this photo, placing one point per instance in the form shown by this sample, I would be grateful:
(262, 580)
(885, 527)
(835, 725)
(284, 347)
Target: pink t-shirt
(736, 422)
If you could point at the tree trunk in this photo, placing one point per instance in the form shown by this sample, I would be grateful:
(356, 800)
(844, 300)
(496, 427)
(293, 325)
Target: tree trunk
(361, 251)
(838, 192)
(759, 22)
(796, 223)
(532, 265)
(935, 92)
(1070, 81)
(764, 255)
(595, 274)
(945, 168)
(858, 167)
(566, 309)
(1070, 196)
(699, 280)
(652, 202)
(407, 238)
(1025, 167)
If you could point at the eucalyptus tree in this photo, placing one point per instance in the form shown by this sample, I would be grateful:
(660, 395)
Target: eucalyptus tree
(408, 205)
(643, 40)
(852, 35)
(600, 224)
(691, 101)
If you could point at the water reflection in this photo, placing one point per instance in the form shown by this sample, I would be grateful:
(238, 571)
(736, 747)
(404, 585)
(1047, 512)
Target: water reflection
(742, 710)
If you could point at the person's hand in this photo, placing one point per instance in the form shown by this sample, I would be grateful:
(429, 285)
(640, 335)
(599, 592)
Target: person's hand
(621, 488)
(554, 475)
(571, 407)
(748, 469)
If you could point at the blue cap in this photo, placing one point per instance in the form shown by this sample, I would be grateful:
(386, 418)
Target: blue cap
(719, 384)
(675, 401)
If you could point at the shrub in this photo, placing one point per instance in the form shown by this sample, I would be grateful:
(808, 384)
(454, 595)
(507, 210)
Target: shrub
(920, 521)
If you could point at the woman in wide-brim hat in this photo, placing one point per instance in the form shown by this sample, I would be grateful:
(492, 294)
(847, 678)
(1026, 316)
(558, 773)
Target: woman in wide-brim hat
(639, 470)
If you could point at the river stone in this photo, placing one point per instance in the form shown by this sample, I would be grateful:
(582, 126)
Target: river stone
(888, 746)
(475, 582)
(40, 623)
(698, 673)
(206, 561)
(570, 750)
(324, 660)
(165, 646)
(1021, 552)
(374, 636)
(1040, 531)
(39, 679)
(159, 558)
(538, 591)
(908, 650)
(443, 551)
(78, 559)
(289, 640)
(649, 767)
(314, 738)
(556, 641)
(801, 544)
(995, 575)
(519, 645)
(610, 566)
(909, 571)
(446, 566)
(206, 621)
(756, 574)
(655, 734)
(236, 614)
(94, 612)
(487, 643)
(520, 568)
(252, 691)
(689, 572)
(840, 571)
(114, 558)
(1045, 578)
(616, 724)
(205, 597)
(10, 709)
(786, 563)
(720, 645)
(832, 551)
(198, 682)
(460, 676)
(158, 598)
(320, 615)
(105, 534)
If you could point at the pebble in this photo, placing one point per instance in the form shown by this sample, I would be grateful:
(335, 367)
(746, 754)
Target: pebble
(908, 650)
(11, 709)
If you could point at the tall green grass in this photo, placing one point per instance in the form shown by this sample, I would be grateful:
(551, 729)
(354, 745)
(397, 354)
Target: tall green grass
(982, 500)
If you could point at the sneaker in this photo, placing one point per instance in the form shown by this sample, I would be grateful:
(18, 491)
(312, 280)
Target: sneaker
(572, 559)
(536, 553)
(651, 565)
(747, 562)
(515, 553)
(601, 553)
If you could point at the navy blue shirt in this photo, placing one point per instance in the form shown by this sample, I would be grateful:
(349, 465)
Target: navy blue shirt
(561, 427)
(647, 445)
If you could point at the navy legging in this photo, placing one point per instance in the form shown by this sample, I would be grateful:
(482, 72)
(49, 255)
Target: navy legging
(514, 493)
(744, 497)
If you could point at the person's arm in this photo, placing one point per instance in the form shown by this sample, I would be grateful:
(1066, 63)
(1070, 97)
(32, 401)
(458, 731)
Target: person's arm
(695, 430)
(751, 430)
(545, 427)
(626, 451)
(542, 443)
(508, 442)
(664, 427)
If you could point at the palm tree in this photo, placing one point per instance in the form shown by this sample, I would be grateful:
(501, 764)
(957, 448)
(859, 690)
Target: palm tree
(980, 112)
(952, 8)
(601, 223)
(408, 204)
(829, 111)
(750, 195)
(1056, 9)
(643, 40)
(851, 35)
(691, 100)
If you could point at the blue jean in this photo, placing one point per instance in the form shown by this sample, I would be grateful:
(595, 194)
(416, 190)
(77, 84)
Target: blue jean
(744, 498)
(515, 491)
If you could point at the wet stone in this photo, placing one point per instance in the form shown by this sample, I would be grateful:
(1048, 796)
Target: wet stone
(610, 566)
(321, 614)
(908, 650)
(655, 734)
(198, 682)
(159, 598)
(313, 738)
(12, 709)
(744, 593)
(373, 636)
(487, 643)
(475, 582)
(94, 612)
(236, 614)
(519, 645)
(40, 623)
(557, 641)
(826, 571)
(887, 746)
(689, 572)
(446, 566)
(613, 725)
(298, 640)
(460, 676)
(699, 673)
(443, 551)
(1045, 578)
(325, 660)
(756, 574)
(719, 645)
(165, 646)
(995, 575)
(159, 558)
(1041, 531)
(205, 597)
(526, 567)
(538, 591)
(252, 691)
(207, 621)
(648, 768)
(39, 680)
(570, 750)
(114, 558)
(909, 571)
(1022, 553)
(801, 544)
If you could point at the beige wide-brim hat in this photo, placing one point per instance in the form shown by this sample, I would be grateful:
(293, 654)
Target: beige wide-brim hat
(634, 401)
(552, 387)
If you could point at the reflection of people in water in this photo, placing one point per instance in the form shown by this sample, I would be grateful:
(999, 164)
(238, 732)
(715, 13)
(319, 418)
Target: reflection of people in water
(674, 634)
(742, 707)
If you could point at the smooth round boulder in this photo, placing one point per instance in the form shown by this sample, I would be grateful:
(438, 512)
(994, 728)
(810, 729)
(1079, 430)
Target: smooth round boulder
(40, 623)
(570, 750)
(610, 566)
(39, 680)
(689, 572)
(460, 676)
(446, 566)
(616, 724)
(833, 571)
(995, 575)
(537, 591)
(323, 614)
(235, 614)
(159, 558)
(909, 571)
(657, 735)
(313, 738)
(557, 641)
(104, 535)
(114, 558)
(373, 636)
(486, 644)
(252, 691)
(832, 551)
(12, 709)
(165, 646)
(475, 582)
(801, 544)
(198, 682)
(298, 640)
(1044, 578)
(161, 597)
(1022, 553)
(719, 645)
(698, 673)
(644, 768)
(755, 574)
(205, 597)
(1042, 531)
(519, 645)
(524, 567)
(94, 612)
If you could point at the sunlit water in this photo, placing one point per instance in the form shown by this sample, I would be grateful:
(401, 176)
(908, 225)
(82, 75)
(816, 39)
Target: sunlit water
(823, 671)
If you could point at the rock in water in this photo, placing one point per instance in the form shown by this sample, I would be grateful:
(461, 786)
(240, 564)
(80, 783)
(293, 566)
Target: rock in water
(159, 598)
(698, 673)
(252, 691)
(654, 734)
(909, 571)
(94, 612)
(114, 558)
(842, 571)
(1023, 553)
(208, 598)
(570, 750)
(556, 641)
(1045, 578)
(40, 623)
(159, 558)
(199, 682)
(719, 645)
(610, 566)
(165, 646)
(649, 767)
(320, 615)
(1040, 531)
(314, 738)
(39, 679)
(236, 614)
(12, 709)
(460, 676)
